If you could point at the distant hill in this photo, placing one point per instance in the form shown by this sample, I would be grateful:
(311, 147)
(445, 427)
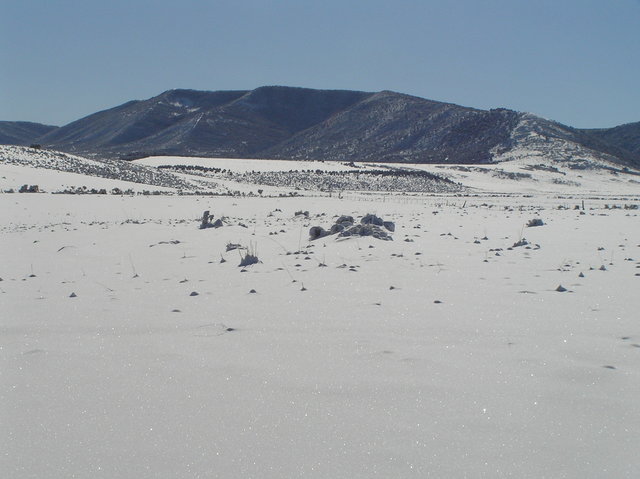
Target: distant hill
(22, 132)
(187, 122)
(338, 125)
(626, 137)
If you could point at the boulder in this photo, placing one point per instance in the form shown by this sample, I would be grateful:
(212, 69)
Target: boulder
(338, 228)
(316, 232)
(371, 219)
(345, 220)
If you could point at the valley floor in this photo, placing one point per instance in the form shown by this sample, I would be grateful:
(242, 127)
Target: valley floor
(132, 344)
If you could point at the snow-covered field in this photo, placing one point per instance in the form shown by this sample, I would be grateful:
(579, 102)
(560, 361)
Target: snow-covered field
(442, 353)
(519, 172)
(522, 172)
(243, 165)
(133, 345)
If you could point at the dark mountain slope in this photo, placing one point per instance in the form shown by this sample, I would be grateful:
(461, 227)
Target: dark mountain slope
(189, 122)
(294, 109)
(390, 126)
(624, 137)
(126, 127)
(22, 132)
(285, 122)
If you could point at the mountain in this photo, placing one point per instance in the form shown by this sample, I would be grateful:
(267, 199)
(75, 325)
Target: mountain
(301, 123)
(22, 132)
(188, 122)
(393, 127)
(626, 137)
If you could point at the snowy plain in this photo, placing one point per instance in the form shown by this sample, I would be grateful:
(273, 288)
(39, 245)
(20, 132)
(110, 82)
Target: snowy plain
(133, 344)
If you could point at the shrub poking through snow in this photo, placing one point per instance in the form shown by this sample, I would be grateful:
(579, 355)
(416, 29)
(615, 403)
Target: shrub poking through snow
(205, 222)
(29, 189)
(535, 222)
(520, 242)
(232, 246)
(250, 256)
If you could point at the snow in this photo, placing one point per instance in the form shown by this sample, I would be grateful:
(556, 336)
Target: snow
(520, 171)
(438, 354)
(14, 176)
(34, 164)
(244, 165)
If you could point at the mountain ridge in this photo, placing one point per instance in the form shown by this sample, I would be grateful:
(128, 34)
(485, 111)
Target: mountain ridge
(22, 132)
(336, 125)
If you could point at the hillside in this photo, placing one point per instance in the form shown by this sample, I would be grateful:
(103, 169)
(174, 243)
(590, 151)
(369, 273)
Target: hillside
(336, 125)
(188, 122)
(626, 137)
(22, 132)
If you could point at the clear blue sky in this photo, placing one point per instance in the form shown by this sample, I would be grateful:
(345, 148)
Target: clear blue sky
(575, 61)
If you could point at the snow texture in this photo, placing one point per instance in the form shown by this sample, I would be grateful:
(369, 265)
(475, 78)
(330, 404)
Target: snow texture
(133, 346)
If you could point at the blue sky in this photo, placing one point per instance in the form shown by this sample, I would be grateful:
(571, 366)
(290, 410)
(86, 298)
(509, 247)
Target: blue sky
(575, 61)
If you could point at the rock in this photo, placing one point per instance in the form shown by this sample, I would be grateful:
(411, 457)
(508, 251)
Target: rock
(345, 219)
(370, 225)
(371, 219)
(316, 232)
(194, 293)
(561, 289)
(367, 230)
(338, 228)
